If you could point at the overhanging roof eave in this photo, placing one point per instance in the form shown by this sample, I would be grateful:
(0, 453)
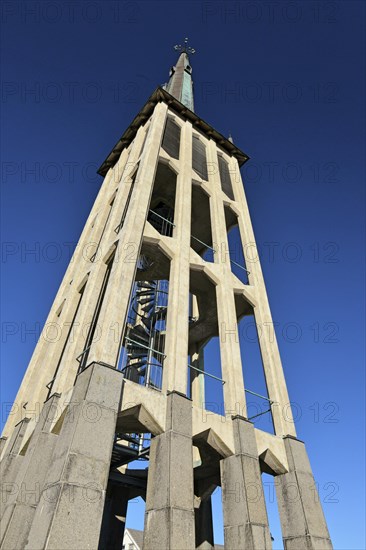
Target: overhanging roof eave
(162, 95)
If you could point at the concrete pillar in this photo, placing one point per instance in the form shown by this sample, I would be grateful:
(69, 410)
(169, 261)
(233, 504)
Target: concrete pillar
(69, 514)
(11, 461)
(41, 366)
(175, 372)
(169, 518)
(302, 519)
(231, 364)
(204, 525)
(245, 515)
(114, 517)
(21, 505)
(3, 441)
(115, 303)
(198, 378)
(275, 379)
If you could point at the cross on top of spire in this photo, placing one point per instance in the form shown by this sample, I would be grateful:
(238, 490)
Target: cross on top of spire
(185, 48)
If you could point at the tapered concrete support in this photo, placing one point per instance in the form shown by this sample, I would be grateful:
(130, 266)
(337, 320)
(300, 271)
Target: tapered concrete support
(169, 519)
(114, 518)
(3, 441)
(245, 515)
(22, 502)
(69, 514)
(204, 526)
(302, 519)
(10, 463)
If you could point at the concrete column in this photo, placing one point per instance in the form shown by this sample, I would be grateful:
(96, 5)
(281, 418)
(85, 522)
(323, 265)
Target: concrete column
(231, 364)
(245, 515)
(11, 461)
(115, 304)
(69, 514)
(275, 379)
(175, 372)
(3, 441)
(198, 378)
(302, 519)
(169, 518)
(114, 518)
(204, 525)
(40, 364)
(21, 505)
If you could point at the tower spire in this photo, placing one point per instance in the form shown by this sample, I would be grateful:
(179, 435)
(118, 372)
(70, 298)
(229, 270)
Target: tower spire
(180, 83)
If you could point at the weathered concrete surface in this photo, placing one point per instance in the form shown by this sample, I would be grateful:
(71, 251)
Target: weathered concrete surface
(169, 519)
(245, 515)
(69, 514)
(21, 505)
(10, 464)
(302, 519)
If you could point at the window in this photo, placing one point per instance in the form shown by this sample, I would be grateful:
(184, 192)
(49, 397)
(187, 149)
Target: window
(225, 177)
(171, 138)
(199, 162)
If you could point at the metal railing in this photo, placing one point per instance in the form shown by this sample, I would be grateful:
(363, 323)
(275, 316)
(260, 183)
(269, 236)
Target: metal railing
(261, 397)
(204, 244)
(166, 228)
(241, 267)
(206, 373)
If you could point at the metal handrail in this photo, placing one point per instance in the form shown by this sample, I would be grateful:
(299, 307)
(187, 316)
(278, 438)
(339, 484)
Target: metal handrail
(206, 373)
(259, 395)
(147, 363)
(238, 265)
(83, 353)
(205, 244)
(159, 216)
(143, 346)
(259, 414)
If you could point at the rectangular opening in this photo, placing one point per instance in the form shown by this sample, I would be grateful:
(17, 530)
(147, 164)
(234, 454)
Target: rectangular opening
(269, 491)
(171, 138)
(201, 232)
(225, 178)
(162, 204)
(141, 357)
(259, 408)
(199, 161)
(205, 384)
(235, 253)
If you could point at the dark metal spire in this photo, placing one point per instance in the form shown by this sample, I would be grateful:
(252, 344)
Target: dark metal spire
(180, 83)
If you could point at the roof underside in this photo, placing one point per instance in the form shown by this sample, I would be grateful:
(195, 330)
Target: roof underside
(162, 95)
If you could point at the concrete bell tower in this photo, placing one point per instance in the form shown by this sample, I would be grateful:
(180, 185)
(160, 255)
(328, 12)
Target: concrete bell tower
(122, 375)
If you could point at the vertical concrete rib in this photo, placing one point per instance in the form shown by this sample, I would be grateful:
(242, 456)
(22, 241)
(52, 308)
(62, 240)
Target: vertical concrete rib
(42, 364)
(275, 379)
(22, 502)
(69, 513)
(115, 304)
(175, 375)
(245, 515)
(231, 364)
(169, 518)
(302, 519)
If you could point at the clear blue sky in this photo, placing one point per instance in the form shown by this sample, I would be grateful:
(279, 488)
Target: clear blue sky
(286, 78)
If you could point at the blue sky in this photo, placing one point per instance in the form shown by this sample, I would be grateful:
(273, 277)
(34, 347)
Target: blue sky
(286, 79)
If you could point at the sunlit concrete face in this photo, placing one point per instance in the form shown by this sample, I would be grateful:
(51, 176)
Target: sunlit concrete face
(149, 285)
